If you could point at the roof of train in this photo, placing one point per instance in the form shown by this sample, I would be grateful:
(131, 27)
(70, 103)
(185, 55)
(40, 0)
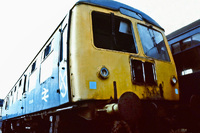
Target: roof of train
(184, 29)
(114, 5)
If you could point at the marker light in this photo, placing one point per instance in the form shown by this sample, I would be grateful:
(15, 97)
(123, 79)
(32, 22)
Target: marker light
(104, 73)
(173, 80)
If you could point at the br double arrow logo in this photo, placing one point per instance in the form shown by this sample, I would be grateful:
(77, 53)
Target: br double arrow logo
(45, 94)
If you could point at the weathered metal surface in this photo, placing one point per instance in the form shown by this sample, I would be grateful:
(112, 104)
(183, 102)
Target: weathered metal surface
(130, 107)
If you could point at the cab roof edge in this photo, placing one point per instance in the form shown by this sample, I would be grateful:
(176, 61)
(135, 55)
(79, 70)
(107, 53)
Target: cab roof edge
(115, 5)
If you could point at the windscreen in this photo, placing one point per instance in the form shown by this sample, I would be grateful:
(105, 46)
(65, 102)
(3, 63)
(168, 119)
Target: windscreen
(153, 43)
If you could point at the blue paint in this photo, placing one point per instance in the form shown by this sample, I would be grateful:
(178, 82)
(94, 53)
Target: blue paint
(93, 85)
(176, 91)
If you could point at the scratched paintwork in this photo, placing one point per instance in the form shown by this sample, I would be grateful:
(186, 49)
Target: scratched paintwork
(85, 64)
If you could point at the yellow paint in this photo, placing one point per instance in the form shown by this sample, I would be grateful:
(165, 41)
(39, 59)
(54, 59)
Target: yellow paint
(86, 61)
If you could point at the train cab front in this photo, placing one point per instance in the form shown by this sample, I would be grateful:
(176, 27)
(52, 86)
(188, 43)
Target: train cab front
(119, 61)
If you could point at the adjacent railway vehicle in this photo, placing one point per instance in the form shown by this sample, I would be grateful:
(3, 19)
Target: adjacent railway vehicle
(185, 44)
(107, 66)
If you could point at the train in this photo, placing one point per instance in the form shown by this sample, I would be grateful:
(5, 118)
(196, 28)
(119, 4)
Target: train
(184, 44)
(107, 67)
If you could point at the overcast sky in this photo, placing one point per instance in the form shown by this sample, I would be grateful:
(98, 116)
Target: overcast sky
(25, 26)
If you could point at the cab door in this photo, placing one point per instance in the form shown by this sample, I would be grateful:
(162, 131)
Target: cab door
(49, 76)
(63, 79)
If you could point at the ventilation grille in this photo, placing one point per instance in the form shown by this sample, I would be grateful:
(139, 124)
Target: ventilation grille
(143, 72)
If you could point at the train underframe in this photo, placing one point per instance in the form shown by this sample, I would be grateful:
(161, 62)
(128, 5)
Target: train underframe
(140, 116)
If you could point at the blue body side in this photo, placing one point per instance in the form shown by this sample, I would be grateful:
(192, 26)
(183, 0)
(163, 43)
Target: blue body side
(42, 92)
(184, 32)
(184, 35)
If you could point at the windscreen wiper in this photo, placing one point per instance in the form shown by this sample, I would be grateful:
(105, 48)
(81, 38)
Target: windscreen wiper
(153, 38)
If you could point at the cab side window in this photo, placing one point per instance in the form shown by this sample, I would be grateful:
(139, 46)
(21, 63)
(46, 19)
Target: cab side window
(113, 32)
